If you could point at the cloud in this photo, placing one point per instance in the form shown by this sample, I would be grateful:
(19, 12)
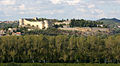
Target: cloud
(81, 9)
(7, 2)
(91, 6)
(118, 1)
(22, 7)
(59, 8)
(55, 1)
(69, 2)
(73, 2)
(98, 11)
(55, 11)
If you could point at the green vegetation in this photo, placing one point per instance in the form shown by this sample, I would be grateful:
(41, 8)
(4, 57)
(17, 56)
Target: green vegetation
(50, 31)
(9, 25)
(84, 23)
(116, 30)
(57, 26)
(59, 46)
(55, 64)
(59, 49)
(110, 22)
(55, 32)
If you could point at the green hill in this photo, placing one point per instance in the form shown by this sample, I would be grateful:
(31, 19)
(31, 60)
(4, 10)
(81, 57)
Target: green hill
(110, 22)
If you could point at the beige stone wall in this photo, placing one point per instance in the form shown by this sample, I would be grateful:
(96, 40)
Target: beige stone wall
(20, 22)
(65, 22)
(86, 29)
(46, 25)
(39, 24)
(77, 29)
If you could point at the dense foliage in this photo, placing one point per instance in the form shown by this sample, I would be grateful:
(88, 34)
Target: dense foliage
(52, 32)
(9, 25)
(84, 23)
(57, 64)
(61, 48)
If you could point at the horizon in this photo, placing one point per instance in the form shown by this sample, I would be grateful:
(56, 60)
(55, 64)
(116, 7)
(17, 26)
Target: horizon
(11, 10)
(61, 19)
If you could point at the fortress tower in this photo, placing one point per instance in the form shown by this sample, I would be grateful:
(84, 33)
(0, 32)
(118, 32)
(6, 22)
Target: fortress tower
(21, 22)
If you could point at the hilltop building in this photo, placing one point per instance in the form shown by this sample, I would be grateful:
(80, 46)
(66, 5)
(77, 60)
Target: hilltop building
(63, 23)
(35, 22)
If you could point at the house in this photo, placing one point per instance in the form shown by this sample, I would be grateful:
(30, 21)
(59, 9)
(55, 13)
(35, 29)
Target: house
(30, 29)
(17, 33)
(2, 32)
(118, 26)
(100, 25)
(12, 29)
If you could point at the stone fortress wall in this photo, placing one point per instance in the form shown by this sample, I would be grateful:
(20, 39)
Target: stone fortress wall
(35, 23)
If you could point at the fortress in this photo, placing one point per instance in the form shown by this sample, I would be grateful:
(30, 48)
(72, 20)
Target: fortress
(35, 22)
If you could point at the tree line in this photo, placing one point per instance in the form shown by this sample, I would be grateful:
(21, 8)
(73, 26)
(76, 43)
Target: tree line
(85, 23)
(60, 49)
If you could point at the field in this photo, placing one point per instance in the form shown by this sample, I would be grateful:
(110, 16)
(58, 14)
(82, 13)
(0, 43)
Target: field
(56, 64)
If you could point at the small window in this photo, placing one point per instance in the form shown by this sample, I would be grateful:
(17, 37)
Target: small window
(28, 24)
(32, 25)
(37, 26)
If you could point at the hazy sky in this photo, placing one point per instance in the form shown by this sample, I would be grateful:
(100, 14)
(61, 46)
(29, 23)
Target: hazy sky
(86, 9)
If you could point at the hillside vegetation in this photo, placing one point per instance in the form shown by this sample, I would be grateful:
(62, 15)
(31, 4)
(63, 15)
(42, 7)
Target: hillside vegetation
(9, 25)
(110, 22)
(84, 23)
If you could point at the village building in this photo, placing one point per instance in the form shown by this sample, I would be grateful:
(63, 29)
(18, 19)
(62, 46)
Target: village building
(2, 32)
(101, 25)
(63, 23)
(12, 29)
(118, 26)
(17, 34)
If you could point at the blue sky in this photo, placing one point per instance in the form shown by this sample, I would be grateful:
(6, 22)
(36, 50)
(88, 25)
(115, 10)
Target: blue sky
(59, 9)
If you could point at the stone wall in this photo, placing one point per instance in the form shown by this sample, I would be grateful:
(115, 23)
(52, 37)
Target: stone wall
(65, 22)
(39, 24)
(86, 29)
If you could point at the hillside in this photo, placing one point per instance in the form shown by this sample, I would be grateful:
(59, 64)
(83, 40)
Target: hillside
(8, 25)
(113, 22)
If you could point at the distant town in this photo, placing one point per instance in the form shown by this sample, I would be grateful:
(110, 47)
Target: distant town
(83, 27)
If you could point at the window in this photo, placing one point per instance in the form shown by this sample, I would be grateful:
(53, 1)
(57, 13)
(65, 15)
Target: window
(28, 24)
(37, 26)
(32, 25)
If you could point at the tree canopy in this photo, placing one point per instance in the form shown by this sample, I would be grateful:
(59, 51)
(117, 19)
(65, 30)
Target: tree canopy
(84, 23)
(61, 48)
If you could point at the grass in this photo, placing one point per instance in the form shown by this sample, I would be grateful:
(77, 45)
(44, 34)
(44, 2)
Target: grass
(56, 64)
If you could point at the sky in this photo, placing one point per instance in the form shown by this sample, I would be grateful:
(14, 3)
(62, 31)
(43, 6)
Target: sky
(59, 9)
